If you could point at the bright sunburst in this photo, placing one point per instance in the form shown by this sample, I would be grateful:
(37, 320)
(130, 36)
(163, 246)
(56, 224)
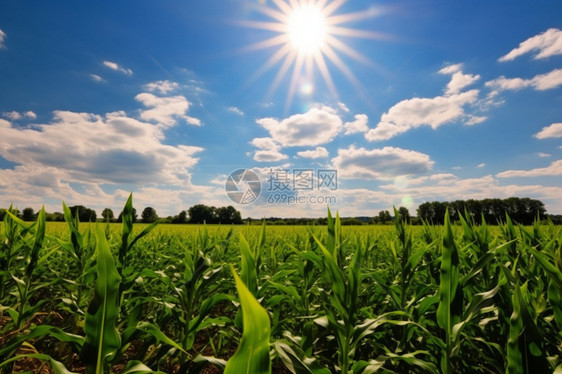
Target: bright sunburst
(307, 38)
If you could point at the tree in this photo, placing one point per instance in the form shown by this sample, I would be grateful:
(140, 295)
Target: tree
(135, 216)
(84, 214)
(201, 213)
(149, 215)
(404, 213)
(107, 214)
(27, 214)
(180, 218)
(384, 216)
(228, 215)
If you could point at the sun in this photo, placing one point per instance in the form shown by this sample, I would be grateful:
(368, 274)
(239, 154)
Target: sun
(308, 36)
(306, 29)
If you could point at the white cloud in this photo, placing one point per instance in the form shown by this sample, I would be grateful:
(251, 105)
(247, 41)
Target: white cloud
(112, 148)
(235, 110)
(162, 87)
(315, 127)
(117, 67)
(269, 151)
(358, 125)
(265, 143)
(319, 152)
(474, 120)
(14, 116)
(481, 165)
(30, 114)
(416, 112)
(543, 155)
(343, 107)
(2, 38)
(459, 80)
(96, 78)
(549, 43)
(380, 163)
(4, 123)
(539, 82)
(554, 169)
(165, 110)
(269, 155)
(552, 131)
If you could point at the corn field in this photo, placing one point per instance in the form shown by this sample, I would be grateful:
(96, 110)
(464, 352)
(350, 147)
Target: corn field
(450, 298)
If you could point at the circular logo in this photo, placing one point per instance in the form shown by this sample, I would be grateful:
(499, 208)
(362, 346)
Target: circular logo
(243, 186)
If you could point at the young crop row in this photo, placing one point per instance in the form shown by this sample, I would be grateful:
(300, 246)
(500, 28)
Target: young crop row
(448, 299)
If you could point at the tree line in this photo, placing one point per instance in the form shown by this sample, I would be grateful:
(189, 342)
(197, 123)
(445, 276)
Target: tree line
(199, 213)
(521, 210)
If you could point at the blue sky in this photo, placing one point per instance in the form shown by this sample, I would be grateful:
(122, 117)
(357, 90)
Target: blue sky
(407, 101)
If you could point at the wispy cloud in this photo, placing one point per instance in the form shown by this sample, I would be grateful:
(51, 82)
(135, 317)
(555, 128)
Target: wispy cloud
(552, 131)
(319, 152)
(235, 110)
(163, 87)
(549, 43)
(115, 66)
(97, 78)
(2, 38)
(554, 169)
(541, 82)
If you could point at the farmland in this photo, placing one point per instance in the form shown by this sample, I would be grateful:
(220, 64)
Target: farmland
(449, 298)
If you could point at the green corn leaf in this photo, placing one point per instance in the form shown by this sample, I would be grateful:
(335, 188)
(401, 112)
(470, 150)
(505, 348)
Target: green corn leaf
(102, 338)
(39, 332)
(248, 272)
(58, 367)
(252, 356)
(450, 297)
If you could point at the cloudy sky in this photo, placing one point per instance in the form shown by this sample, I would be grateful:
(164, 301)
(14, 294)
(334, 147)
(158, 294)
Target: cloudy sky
(399, 102)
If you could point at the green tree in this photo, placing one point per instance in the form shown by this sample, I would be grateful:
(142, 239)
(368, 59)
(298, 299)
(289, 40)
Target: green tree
(384, 216)
(180, 218)
(84, 214)
(107, 214)
(149, 215)
(228, 215)
(135, 216)
(404, 213)
(27, 214)
(201, 213)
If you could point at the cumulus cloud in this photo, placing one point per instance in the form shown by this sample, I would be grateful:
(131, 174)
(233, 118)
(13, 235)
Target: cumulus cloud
(165, 110)
(235, 110)
(459, 80)
(162, 87)
(416, 112)
(85, 147)
(269, 150)
(358, 125)
(380, 163)
(315, 127)
(549, 43)
(554, 169)
(552, 131)
(116, 67)
(539, 82)
(319, 152)
(2, 38)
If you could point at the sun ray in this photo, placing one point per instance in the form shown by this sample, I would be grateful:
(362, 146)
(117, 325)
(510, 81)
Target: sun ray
(308, 42)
